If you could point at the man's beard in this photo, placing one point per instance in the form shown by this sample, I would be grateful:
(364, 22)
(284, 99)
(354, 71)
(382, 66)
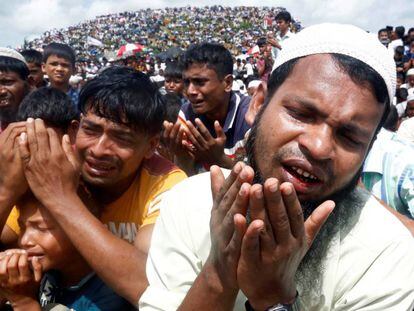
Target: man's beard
(348, 203)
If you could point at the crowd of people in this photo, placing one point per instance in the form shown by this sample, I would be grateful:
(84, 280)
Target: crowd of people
(261, 168)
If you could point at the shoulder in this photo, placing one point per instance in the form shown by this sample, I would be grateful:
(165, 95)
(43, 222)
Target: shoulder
(159, 166)
(377, 228)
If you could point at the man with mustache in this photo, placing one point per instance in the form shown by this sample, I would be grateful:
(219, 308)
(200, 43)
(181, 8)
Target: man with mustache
(291, 230)
(14, 84)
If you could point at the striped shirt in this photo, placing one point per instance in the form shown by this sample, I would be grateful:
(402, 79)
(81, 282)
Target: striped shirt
(388, 172)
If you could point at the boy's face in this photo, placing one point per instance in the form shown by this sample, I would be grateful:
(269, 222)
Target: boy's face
(174, 85)
(58, 69)
(42, 237)
(36, 74)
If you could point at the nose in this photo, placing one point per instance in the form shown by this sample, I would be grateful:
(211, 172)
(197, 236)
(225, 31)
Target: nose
(317, 142)
(192, 89)
(27, 240)
(102, 147)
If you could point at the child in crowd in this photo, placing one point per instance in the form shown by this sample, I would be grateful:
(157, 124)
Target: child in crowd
(34, 63)
(45, 249)
(59, 65)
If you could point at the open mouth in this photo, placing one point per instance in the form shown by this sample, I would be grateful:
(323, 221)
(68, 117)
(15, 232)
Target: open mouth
(99, 169)
(302, 175)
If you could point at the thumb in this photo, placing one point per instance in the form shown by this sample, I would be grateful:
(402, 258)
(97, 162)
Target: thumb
(69, 152)
(316, 220)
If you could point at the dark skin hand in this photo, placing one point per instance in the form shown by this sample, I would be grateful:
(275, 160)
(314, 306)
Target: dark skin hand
(275, 243)
(207, 148)
(217, 282)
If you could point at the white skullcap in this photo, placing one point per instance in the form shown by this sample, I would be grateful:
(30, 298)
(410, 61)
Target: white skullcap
(12, 54)
(410, 72)
(342, 39)
(410, 97)
(254, 83)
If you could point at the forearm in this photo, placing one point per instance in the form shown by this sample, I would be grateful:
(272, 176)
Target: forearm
(118, 263)
(26, 304)
(207, 293)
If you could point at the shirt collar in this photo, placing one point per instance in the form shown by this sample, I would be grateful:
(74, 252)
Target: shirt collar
(231, 111)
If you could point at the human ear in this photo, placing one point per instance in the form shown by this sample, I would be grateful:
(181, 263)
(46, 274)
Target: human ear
(256, 103)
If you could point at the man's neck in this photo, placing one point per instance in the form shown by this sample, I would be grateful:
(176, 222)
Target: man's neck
(107, 195)
(221, 113)
(283, 33)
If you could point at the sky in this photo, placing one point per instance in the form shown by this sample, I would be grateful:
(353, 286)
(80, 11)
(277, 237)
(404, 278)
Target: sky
(20, 19)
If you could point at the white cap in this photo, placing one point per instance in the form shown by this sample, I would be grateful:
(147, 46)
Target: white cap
(341, 39)
(12, 54)
(410, 97)
(254, 83)
(410, 72)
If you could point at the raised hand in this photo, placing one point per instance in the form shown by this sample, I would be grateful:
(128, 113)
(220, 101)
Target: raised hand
(50, 164)
(227, 224)
(275, 243)
(12, 181)
(207, 148)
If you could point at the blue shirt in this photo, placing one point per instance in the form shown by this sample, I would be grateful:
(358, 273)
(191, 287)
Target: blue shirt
(90, 294)
(74, 95)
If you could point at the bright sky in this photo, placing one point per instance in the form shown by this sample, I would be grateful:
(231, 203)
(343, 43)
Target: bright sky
(21, 19)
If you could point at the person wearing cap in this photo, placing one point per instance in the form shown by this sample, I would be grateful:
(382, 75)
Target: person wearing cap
(14, 84)
(409, 85)
(291, 229)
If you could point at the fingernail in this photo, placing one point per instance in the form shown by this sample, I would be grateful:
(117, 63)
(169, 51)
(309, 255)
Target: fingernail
(288, 190)
(23, 137)
(274, 186)
(237, 168)
(30, 120)
(243, 174)
(243, 190)
(259, 194)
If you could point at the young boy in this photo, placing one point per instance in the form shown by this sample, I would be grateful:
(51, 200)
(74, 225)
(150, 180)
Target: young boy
(59, 65)
(67, 279)
(34, 63)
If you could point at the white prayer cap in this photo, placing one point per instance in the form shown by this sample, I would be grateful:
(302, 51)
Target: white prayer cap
(254, 83)
(410, 72)
(410, 97)
(341, 39)
(12, 54)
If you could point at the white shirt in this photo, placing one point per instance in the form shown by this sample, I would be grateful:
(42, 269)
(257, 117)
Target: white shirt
(281, 40)
(371, 267)
(406, 129)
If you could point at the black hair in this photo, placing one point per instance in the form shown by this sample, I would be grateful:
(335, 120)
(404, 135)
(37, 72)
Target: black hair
(261, 41)
(284, 15)
(10, 64)
(173, 105)
(124, 96)
(391, 121)
(399, 50)
(401, 94)
(214, 56)
(174, 70)
(49, 104)
(32, 56)
(60, 50)
(383, 30)
(400, 30)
